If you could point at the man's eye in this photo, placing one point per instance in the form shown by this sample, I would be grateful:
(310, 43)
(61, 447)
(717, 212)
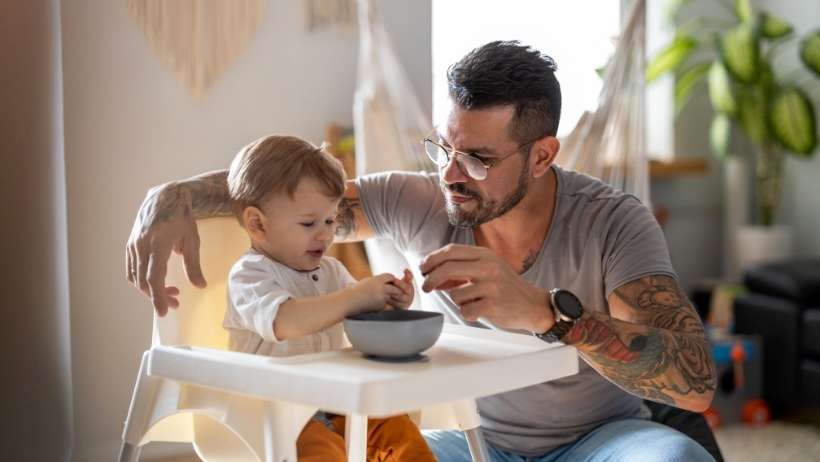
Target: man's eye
(330, 221)
(480, 158)
(307, 224)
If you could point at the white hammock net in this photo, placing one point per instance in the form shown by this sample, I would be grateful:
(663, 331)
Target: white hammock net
(389, 123)
(610, 143)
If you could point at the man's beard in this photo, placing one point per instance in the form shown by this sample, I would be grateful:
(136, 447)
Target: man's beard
(484, 211)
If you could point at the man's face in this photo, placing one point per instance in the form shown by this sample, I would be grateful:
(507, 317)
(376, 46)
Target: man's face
(484, 134)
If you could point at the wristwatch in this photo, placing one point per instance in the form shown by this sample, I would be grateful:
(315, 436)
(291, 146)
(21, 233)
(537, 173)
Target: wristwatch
(568, 310)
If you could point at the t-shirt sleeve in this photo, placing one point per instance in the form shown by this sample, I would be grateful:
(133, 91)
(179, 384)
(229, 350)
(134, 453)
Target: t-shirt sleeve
(255, 296)
(398, 204)
(635, 246)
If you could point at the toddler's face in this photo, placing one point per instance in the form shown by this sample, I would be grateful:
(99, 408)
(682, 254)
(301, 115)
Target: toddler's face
(298, 231)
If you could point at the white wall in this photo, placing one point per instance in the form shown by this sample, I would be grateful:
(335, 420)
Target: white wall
(35, 407)
(129, 125)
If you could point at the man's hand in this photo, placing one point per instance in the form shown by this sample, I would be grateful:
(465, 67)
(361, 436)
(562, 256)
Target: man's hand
(165, 222)
(483, 285)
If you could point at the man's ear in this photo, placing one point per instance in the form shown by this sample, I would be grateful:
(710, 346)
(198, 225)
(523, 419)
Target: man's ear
(543, 154)
(254, 221)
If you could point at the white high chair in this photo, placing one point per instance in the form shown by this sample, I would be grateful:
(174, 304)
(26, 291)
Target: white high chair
(224, 424)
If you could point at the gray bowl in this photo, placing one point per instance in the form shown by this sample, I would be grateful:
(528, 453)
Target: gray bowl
(394, 334)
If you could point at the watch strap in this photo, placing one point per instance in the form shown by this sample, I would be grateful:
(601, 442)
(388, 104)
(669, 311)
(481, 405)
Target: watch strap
(557, 332)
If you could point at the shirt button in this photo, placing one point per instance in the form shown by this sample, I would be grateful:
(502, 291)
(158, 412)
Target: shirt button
(315, 277)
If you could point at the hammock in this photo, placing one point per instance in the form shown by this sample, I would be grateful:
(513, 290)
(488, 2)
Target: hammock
(610, 143)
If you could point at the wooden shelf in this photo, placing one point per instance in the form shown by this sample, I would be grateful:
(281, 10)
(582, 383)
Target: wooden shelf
(678, 167)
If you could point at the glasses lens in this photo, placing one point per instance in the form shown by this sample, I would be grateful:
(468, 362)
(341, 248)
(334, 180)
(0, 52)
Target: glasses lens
(436, 153)
(472, 167)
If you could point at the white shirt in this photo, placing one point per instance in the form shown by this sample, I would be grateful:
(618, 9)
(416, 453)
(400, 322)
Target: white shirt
(258, 286)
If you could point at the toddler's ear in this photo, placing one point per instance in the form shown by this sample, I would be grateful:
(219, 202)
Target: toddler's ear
(254, 221)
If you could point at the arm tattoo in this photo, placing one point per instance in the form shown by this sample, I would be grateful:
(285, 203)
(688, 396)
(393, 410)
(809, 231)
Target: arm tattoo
(204, 196)
(346, 227)
(662, 355)
(209, 195)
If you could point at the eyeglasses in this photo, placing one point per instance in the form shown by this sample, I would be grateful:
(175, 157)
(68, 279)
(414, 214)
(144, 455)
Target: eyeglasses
(468, 164)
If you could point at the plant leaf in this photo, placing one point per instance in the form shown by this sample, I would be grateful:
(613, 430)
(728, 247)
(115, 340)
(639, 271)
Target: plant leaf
(720, 89)
(773, 27)
(687, 81)
(719, 134)
(791, 117)
(740, 50)
(752, 115)
(743, 10)
(810, 51)
(670, 57)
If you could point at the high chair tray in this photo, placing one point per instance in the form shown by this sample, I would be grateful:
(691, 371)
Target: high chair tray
(466, 362)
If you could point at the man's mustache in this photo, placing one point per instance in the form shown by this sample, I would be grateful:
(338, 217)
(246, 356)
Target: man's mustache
(459, 189)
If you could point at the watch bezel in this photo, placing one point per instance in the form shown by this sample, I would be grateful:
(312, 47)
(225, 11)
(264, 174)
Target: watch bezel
(559, 299)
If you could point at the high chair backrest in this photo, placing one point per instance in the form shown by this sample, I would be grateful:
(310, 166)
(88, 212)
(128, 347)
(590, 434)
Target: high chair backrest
(198, 320)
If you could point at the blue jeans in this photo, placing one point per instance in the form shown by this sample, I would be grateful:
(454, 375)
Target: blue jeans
(633, 440)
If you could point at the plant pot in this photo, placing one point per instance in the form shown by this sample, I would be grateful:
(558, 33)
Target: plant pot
(762, 244)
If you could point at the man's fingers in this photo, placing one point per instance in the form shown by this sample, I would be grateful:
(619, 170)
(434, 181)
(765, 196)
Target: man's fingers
(129, 264)
(157, 269)
(480, 308)
(143, 252)
(450, 271)
(452, 252)
(190, 258)
(466, 293)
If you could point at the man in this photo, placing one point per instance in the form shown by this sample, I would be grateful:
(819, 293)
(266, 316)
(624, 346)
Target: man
(493, 232)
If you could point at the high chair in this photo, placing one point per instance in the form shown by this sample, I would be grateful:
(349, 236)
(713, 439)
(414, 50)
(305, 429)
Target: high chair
(223, 423)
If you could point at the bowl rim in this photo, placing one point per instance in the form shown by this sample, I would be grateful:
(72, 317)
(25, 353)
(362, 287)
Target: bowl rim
(418, 315)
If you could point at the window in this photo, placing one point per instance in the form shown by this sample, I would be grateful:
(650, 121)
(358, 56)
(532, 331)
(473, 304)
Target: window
(578, 35)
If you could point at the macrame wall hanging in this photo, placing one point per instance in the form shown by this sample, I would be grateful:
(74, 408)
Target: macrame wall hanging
(321, 14)
(197, 39)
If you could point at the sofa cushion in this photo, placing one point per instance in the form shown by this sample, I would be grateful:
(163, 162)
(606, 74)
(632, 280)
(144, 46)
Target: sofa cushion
(811, 332)
(797, 280)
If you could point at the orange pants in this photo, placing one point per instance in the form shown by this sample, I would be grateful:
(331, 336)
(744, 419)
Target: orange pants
(395, 439)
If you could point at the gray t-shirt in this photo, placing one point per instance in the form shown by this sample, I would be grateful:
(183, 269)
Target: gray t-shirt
(600, 239)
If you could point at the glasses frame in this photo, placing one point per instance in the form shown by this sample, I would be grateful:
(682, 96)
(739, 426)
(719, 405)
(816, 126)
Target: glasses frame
(462, 157)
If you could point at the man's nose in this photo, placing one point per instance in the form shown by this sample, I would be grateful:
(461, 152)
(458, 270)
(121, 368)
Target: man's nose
(451, 173)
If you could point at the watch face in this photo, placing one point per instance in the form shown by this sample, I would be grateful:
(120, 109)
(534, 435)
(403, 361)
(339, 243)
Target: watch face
(568, 304)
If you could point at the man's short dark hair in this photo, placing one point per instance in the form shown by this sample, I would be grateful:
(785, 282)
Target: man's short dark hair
(507, 73)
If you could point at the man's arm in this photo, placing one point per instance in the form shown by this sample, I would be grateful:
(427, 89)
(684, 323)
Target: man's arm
(352, 225)
(166, 222)
(652, 344)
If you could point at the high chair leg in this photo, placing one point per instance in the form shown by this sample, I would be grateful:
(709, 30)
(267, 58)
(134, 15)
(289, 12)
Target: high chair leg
(478, 447)
(129, 452)
(138, 419)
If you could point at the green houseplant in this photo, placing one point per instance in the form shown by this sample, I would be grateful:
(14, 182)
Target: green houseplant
(772, 108)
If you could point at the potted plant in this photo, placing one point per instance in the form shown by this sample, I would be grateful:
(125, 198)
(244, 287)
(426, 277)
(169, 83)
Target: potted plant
(773, 109)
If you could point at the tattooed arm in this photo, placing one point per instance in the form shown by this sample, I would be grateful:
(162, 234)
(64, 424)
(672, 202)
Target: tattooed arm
(166, 222)
(652, 345)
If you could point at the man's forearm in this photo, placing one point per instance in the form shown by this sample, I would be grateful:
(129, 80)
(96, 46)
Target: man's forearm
(653, 363)
(203, 196)
(208, 194)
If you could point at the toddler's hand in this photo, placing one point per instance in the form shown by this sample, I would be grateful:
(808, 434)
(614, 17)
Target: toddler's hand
(374, 293)
(403, 300)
